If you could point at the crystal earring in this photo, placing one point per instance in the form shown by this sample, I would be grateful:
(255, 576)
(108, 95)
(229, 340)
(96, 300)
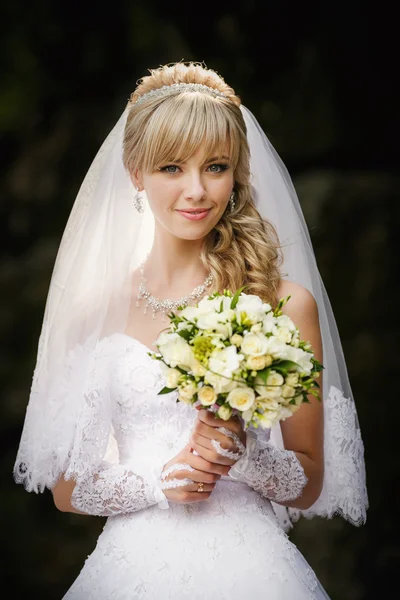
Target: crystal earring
(138, 202)
(232, 201)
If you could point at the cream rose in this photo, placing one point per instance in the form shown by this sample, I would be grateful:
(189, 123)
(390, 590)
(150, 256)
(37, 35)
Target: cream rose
(292, 379)
(241, 398)
(256, 363)
(172, 377)
(236, 340)
(274, 378)
(207, 395)
(287, 391)
(224, 412)
(187, 391)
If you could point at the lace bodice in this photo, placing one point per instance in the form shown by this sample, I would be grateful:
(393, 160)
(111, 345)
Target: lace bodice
(146, 426)
(153, 553)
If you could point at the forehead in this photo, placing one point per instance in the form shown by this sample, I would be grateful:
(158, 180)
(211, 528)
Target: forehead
(204, 153)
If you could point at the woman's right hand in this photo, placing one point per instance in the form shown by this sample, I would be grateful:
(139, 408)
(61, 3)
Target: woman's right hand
(204, 471)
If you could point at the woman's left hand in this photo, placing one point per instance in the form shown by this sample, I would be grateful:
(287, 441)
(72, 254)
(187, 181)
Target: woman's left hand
(205, 430)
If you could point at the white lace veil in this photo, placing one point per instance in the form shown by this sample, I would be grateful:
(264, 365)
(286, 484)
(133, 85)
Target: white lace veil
(67, 430)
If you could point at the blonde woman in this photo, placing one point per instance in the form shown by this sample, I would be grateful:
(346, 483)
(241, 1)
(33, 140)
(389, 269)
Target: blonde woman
(185, 197)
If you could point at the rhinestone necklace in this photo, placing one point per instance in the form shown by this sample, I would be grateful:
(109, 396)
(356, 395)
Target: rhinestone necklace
(167, 305)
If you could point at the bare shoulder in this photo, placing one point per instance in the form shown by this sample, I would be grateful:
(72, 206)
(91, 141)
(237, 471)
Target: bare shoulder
(301, 303)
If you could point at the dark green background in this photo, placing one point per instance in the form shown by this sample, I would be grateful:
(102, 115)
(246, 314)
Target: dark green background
(320, 77)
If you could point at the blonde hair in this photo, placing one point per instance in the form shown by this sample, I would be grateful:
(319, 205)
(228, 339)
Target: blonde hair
(243, 248)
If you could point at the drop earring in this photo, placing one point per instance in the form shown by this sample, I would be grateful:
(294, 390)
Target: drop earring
(138, 202)
(232, 201)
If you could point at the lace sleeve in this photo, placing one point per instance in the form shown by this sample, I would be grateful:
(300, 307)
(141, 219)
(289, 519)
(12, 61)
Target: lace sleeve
(276, 474)
(114, 490)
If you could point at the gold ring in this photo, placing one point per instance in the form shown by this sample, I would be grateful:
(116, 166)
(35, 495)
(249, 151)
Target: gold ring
(200, 487)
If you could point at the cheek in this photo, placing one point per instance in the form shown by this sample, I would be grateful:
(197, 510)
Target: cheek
(161, 195)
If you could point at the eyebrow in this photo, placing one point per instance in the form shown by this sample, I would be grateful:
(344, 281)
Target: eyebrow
(210, 160)
(214, 158)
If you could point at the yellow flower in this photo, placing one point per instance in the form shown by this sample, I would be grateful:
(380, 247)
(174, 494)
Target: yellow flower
(256, 363)
(241, 398)
(207, 395)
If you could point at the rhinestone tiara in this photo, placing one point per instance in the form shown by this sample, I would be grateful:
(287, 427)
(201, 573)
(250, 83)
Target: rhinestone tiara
(167, 90)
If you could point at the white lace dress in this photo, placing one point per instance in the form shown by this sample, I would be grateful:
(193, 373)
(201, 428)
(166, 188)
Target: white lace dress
(227, 547)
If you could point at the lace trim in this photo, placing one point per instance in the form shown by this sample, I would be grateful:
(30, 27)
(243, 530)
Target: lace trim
(276, 474)
(113, 491)
(344, 491)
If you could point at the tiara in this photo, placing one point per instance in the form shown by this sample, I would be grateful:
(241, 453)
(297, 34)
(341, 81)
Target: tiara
(167, 90)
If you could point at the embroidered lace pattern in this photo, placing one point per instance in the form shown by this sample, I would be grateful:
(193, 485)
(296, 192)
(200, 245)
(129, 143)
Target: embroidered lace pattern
(344, 491)
(151, 553)
(112, 491)
(274, 473)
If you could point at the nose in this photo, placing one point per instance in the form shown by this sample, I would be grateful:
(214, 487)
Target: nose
(194, 188)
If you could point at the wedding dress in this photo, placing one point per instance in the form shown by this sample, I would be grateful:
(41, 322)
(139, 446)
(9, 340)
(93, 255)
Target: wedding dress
(229, 546)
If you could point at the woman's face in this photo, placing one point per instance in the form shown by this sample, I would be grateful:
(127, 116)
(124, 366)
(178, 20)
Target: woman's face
(189, 198)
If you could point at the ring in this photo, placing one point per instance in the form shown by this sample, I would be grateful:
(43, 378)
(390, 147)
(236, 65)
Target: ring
(200, 487)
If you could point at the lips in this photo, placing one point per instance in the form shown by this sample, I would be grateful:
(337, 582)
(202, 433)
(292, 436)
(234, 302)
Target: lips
(194, 214)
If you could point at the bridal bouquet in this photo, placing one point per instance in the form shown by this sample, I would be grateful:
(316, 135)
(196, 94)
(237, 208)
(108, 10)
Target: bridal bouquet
(232, 354)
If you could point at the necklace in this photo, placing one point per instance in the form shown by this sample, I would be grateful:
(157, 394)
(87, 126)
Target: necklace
(167, 305)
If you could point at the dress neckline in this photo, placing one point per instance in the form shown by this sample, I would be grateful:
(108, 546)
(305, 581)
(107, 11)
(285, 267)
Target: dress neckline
(133, 339)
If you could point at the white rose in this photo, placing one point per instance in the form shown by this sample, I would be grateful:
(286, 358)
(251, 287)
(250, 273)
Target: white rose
(274, 378)
(186, 391)
(292, 379)
(256, 363)
(207, 395)
(176, 351)
(224, 412)
(172, 377)
(241, 398)
(236, 339)
(287, 391)
(254, 344)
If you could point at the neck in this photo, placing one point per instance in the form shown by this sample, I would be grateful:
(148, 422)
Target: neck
(174, 266)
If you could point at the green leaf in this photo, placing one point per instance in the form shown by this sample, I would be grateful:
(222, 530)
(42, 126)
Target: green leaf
(185, 334)
(286, 365)
(166, 390)
(264, 374)
(235, 298)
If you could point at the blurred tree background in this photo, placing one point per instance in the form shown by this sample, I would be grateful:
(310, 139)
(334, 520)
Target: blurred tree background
(320, 77)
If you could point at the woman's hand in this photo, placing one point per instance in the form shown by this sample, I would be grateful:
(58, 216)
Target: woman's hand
(205, 430)
(201, 471)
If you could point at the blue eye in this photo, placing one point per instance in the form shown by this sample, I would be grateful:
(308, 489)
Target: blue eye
(218, 168)
(169, 169)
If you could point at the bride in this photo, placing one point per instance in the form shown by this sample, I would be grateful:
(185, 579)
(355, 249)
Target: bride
(185, 197)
